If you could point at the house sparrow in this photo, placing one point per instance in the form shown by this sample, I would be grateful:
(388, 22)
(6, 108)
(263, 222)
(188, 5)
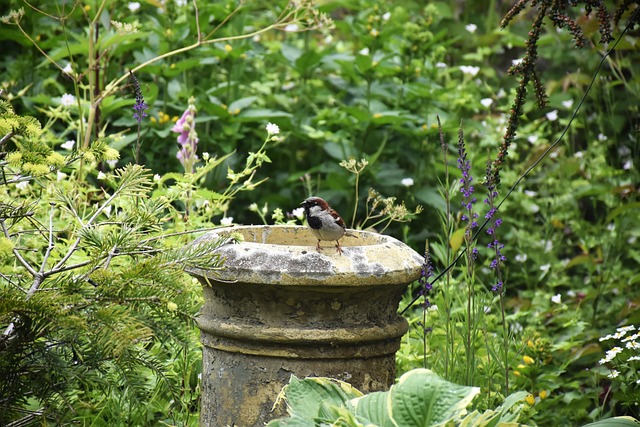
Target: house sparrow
(324, 222)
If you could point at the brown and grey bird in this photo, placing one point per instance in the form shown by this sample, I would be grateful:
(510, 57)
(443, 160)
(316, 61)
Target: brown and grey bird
(324, 222)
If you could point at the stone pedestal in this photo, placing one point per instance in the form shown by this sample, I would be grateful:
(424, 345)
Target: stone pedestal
(279, 308)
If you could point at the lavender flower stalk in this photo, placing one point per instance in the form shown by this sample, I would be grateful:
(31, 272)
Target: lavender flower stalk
(467, 190)
(494, 224)
(139, 111)
(425, 289)
(187, 138)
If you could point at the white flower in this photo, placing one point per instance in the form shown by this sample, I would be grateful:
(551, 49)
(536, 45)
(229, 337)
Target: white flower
(386, 16)
(556, 299)
(107, 211)
(156, 178)
(226, 221)
(112, 163)
(532, 138)
(364, 51)
(611, 227)
(407, 182)
(441, 65)
(253, 207)
(486, 102)
(291, 28)
(516, 61)
(67, 69)
(60, 176)
(535, 208)
(602, 137)
(133, 6)
(545, 268)
(272, 129)
(530, 193)
(578, 154)
(101, 175)
(568, 103)
(627, 165)
(613, 374)
(521, 257)
(181, 3)
(67, 100)
(471, 28)
(552, 115)
(469, 69)
(68, 145)
(632, 345)
(22, 185)
(298, 213)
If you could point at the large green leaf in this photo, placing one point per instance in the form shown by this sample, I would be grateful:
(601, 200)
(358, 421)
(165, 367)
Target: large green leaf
(421, 398)
(615, 422)
(373, 407)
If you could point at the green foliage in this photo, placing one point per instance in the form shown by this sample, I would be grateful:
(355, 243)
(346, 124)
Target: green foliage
(420, 398)
(366, 91)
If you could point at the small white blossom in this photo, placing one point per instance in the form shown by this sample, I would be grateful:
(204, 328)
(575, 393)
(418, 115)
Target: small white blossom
(112, 163)
(521, 257)
(253, 207)
(298, 213)
(157, 178)
(486, 102)
(471, 28)
(272, 129)
(532, 138)
(530, 193)
(611, 227)
(60, 176)
(545, 268)
(632, 345)
(67, 100)
(22, 185)
(469, 69)
(578, 154)
(516, 61)
(556, 299)
(133, 6)
(67, 69)
(628, 165)
(441, 65)
(552, 115)
(568, 103)
(602, 137)
(226, 221)
(181, 3)
(101, 175)
(613, 374)
(407, 182)
(364, 51)
(386, 16)
(68, 145)
(291, 28)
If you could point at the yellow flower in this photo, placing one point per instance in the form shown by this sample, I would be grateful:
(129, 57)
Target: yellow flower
(530, 344)
(528, 360)
(377, 115)
(516, 373)
(530, 400)
(521, 366)
(543, 394)
(87, 8)
(228, 48)
(172, 306)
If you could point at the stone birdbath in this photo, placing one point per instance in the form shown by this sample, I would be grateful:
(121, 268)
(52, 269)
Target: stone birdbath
(279, 307)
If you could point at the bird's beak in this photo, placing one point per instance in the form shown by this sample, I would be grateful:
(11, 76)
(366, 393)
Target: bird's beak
(303, 204)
